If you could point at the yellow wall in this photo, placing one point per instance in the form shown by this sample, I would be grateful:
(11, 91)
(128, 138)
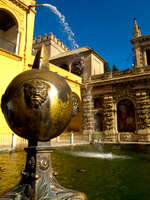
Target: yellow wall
(11, 65)
(73, 80)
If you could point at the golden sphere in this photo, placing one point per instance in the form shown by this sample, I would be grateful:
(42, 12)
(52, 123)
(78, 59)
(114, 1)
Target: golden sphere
(37, 105)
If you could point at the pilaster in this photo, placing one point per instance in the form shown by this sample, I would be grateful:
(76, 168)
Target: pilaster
(87, 107)
(109, 119)
(142, 115)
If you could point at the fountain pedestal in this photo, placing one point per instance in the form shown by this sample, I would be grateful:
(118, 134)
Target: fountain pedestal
(38, 106)
(38, 179)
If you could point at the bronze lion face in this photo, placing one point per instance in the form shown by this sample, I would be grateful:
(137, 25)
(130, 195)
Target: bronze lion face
(35, 93)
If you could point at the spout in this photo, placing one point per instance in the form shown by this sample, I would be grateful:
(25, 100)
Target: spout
(38, 5)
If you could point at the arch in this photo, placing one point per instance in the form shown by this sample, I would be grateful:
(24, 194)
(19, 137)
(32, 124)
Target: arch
(8, 31)
(124, 98)
(126, 116)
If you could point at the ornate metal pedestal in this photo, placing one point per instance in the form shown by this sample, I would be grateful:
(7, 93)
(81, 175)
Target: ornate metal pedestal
(38, 179)
(38, 106)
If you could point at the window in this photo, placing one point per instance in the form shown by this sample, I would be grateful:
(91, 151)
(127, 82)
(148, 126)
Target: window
(148, 56)
(8, 32)
(77, 68)
(65, 67)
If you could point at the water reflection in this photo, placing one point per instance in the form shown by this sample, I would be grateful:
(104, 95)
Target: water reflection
(103, 179)
(12, 164)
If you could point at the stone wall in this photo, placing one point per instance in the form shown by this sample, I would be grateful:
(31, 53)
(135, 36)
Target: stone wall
(53, 45)
(132, 86)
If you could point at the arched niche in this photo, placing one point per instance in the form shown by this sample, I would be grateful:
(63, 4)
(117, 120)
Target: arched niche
(98, 122)
(126, 116)
(9, 37)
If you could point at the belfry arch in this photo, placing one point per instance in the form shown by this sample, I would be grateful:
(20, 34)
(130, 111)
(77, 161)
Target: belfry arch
(126, 116)
(9, 36)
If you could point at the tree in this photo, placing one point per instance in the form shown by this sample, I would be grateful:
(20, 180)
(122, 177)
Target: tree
(115, 68)
(106, 67)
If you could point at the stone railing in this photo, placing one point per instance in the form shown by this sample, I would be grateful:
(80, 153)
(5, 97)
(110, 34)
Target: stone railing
(6, 141)
(120, 138)
(123, 73)
(71, 139)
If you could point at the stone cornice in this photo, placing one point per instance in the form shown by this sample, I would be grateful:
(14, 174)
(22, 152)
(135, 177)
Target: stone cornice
(10, 55)
(140, 39)
(112, 81)
(20, 4)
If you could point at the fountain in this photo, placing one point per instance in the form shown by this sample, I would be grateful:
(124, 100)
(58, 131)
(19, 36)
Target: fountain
(37, 106)
(62, 21)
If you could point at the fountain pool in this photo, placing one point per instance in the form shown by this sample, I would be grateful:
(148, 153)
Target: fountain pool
(102, 173)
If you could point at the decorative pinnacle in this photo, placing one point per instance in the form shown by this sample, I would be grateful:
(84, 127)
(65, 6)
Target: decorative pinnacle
(41, 59)
(136, 30)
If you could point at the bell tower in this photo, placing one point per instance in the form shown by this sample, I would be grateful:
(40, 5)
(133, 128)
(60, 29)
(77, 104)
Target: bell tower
(141, 47)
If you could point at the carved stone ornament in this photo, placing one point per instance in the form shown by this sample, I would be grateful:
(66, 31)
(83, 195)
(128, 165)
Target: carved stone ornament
(75, 104)
(36, 93)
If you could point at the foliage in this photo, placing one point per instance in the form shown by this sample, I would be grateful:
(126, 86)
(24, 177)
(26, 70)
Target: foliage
(115, 68)
(107, 67)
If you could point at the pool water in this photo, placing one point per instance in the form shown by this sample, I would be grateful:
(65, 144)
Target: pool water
(102, 172)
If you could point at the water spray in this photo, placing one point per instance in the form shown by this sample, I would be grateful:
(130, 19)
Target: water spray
(62, 21)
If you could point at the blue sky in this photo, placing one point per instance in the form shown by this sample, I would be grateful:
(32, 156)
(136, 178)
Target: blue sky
(104, 25)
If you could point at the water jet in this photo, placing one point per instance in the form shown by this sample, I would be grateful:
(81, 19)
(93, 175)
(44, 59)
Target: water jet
(63, 22)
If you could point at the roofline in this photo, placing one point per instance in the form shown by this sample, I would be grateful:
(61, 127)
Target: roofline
(88, 50)
(140, 39)
(93, 51)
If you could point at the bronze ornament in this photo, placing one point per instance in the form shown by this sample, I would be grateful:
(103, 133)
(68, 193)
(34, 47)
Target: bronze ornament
(36, 93)
(37, 106)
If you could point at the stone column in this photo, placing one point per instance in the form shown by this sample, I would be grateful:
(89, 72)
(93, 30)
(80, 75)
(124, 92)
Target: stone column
(138, 56)
(87, 110)
(145, 58)
(142, 116)
(109, 119)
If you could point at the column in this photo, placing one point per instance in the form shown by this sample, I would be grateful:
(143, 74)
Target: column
(142, 116)
(87, 110)
(109, 119)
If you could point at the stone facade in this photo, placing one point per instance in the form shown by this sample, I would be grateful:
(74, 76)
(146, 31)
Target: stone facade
(115, 105)
(127, 90)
